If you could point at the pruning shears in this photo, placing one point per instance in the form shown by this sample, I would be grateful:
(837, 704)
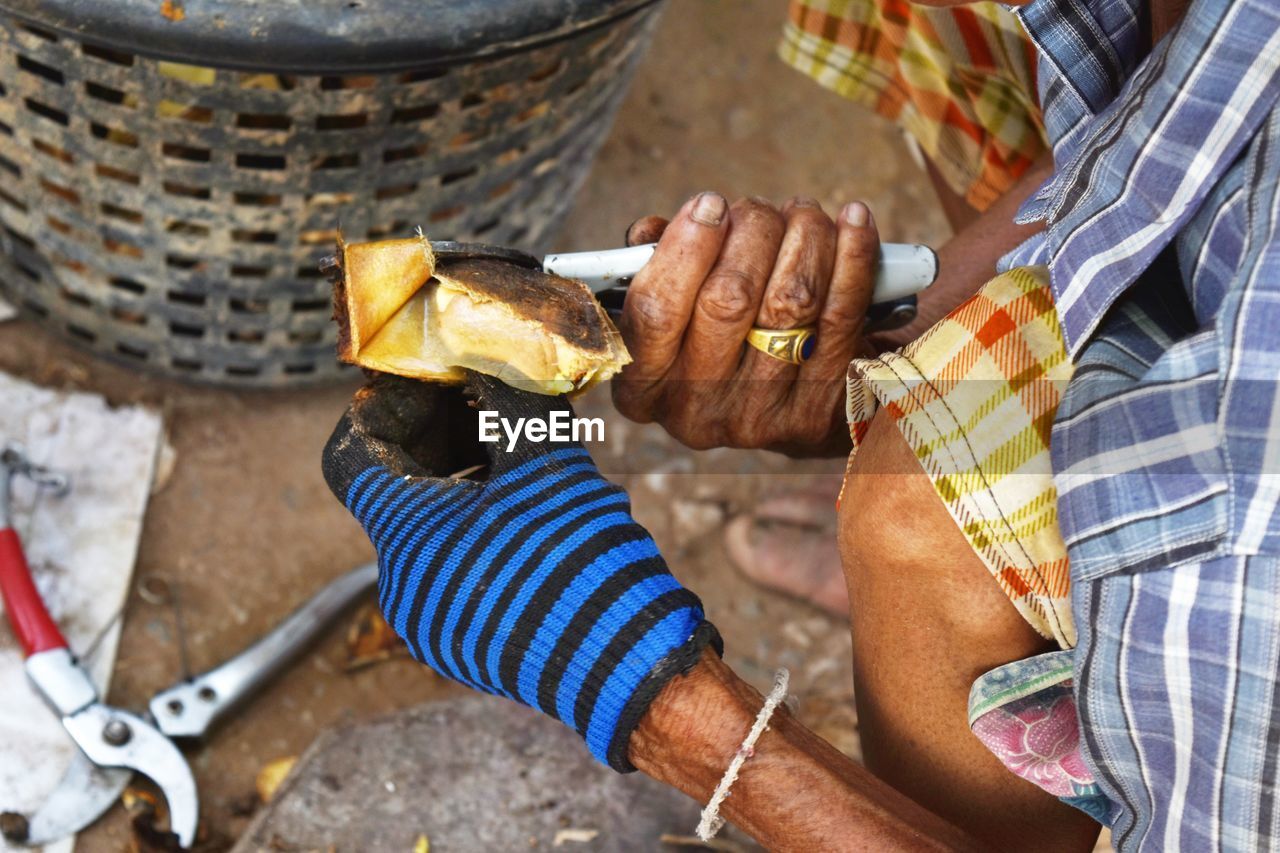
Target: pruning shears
(116, 743)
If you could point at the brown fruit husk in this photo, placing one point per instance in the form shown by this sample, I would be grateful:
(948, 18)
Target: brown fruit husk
(398, 313)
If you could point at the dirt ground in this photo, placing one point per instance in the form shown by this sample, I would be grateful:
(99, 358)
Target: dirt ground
(245, 528)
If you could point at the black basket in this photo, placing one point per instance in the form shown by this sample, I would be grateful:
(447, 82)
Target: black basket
(171, 215)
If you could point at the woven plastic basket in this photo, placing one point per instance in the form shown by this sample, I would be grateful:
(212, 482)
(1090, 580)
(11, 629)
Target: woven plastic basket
(169, 177)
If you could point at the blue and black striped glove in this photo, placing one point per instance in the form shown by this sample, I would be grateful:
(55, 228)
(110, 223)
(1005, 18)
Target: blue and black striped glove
(534, 583)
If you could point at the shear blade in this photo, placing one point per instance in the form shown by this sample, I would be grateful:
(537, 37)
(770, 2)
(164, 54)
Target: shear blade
(448, 250)
(146, 751)
(85, 793)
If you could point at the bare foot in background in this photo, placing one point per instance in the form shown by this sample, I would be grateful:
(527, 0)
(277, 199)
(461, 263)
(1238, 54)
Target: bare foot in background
(788, 544)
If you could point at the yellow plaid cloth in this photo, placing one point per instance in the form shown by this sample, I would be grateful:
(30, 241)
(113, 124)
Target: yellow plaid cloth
(975, 397)
(961, 81)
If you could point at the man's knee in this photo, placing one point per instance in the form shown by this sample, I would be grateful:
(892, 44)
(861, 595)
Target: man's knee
(901, 549)
(890, 515)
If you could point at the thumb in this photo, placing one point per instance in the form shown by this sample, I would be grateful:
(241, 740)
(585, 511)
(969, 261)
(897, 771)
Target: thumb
(646, 229)
(405, 427)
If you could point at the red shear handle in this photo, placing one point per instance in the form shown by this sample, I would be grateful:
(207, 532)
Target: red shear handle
(36, 630)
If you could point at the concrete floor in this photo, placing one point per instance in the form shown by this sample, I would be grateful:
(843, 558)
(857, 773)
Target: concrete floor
(246, 529)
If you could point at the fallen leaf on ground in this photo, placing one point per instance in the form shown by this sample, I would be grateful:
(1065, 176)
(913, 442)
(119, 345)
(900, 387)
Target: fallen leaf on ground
(423, 845)
(166, 461)
(574, 836)
(371, 640)
(148, 838)
(140, 801)
(148, 816)
(270, 776)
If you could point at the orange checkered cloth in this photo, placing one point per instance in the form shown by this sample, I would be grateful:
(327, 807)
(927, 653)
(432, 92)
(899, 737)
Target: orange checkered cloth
(960, 81)
(975, 398)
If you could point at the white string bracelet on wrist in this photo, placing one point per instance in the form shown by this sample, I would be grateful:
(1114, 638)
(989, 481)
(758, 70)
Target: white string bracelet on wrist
(711, 821)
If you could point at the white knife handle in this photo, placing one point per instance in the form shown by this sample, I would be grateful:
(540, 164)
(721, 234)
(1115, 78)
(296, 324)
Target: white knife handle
(904, 268)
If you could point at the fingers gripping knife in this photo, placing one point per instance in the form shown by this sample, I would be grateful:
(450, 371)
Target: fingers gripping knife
(108, 737)
(902, 271)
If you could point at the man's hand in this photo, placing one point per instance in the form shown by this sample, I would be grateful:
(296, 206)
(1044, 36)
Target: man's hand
(534, 583)
(717, 272)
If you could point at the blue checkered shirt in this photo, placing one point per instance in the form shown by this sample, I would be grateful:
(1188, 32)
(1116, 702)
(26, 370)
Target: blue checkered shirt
(1162, 241)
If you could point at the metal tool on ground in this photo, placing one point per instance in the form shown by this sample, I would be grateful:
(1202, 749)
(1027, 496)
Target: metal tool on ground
(107, 737)
(904, 269)
(192, 707)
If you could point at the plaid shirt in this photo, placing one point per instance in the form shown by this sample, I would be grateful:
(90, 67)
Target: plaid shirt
(1162, 223)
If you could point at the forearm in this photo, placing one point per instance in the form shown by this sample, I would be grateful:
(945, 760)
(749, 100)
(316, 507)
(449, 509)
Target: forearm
(968, 260)
(796, 792)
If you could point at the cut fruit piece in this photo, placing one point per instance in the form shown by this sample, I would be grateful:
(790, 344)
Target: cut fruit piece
(398, 313)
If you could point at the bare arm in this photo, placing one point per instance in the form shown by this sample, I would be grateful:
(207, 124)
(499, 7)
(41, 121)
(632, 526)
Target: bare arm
(968, 260)
(797, 792)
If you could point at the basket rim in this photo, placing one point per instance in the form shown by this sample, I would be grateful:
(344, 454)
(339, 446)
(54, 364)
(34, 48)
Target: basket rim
(351, 36)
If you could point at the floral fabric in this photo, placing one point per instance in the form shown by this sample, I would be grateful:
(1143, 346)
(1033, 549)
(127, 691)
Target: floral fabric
(1025, 713)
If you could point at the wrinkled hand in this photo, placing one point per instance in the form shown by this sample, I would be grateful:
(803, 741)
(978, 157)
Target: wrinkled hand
(534, 583)
(717, 272)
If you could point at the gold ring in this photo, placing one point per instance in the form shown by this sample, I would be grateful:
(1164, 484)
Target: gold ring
(794, 346)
